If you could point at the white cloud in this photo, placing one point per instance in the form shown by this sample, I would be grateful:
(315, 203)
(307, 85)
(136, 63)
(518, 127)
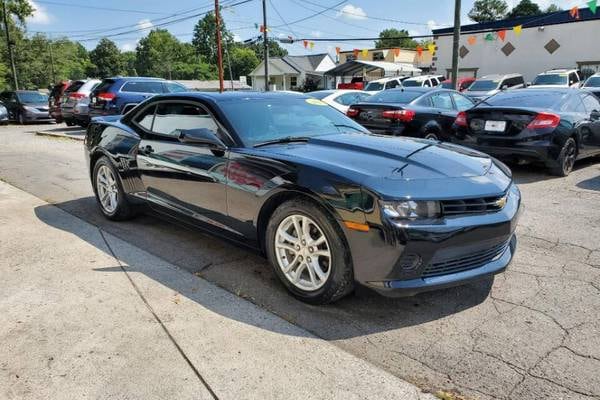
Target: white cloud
(431, 24)
(40, 15)
(237, 38)
(128, 47)
(144, 24)
(352, 12)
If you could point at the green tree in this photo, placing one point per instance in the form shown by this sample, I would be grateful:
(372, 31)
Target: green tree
(395, 38)
(128, 59)
(21, 9)
(275, 50)
(205, 37)
(160, 54)
(488, 10)
(107, 59)
(552, 8)
(243, 61)
(525, 8)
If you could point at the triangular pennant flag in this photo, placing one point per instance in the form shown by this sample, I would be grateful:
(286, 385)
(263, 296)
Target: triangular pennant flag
(518, 30)
(355, 52)
(365, 53)
(502, 34)
(305, 43)
(396, 52)
(262, 28)
(574, 12)
(489, 37)
(593, 5)
(419, 51)
(431, 48)
(337, 50)
(472, 40)
(312, 45)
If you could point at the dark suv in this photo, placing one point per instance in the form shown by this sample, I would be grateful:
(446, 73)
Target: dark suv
(115, 96)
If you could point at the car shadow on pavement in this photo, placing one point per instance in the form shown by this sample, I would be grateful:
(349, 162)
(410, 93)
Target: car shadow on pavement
(248, 275)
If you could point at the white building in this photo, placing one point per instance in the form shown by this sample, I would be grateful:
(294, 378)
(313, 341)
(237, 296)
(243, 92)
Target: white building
(294, 72)
(549, 41)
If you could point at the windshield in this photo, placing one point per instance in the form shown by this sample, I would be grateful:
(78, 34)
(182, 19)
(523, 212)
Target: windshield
(265, 119)
(374, 86)
(394, 96)
(484, 85)
(594, 81)
(320, 94)
(527, 99)
(551, 79)
(409, 83)
(32, 97)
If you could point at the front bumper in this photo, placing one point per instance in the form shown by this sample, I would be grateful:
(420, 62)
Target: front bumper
(31, 116)
(403, 260)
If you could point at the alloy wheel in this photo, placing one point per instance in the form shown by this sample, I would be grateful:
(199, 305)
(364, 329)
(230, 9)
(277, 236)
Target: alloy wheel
(106, 185)
(569, 157)
(431, 136)
(303, 253)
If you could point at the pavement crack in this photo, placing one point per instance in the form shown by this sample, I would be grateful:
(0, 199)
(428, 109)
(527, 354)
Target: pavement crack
(157, 318)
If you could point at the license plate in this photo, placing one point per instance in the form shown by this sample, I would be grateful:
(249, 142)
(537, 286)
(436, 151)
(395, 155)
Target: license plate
(495, 126)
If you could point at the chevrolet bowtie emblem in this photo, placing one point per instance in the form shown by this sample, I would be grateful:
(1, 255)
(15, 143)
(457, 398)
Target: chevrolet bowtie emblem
(501, 202)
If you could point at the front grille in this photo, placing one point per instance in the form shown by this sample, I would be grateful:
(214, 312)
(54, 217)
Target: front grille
(473, 206)
(464, 263)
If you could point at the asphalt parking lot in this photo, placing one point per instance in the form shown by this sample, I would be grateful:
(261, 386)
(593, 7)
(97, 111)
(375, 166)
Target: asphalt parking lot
(531, 333)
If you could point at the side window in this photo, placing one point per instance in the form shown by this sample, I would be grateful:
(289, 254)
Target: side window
(391, 84)
(427, 83)
(345, 99)
(573, 78)
(362, 96)
(442, 100)
(175, 87)
(143, 87)
(519, 81)
(172, 118)
(591, 103)
(145, 118)
(425, 102)
(462, 102)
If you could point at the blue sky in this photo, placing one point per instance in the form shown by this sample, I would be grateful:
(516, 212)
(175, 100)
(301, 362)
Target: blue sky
(350, 19)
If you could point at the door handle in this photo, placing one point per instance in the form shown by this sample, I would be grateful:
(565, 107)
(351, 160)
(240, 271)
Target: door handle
(146, 150)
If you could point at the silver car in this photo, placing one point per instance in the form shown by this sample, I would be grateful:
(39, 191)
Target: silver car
(489, 85)
(3, 114)
(75, 101)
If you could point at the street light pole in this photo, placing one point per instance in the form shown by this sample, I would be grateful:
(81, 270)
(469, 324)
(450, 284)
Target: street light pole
(9, 46)
(455, 43)
(219, 51)
(266, 45)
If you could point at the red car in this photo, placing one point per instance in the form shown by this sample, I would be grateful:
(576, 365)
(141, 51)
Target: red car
(54, 99)
(463, 84)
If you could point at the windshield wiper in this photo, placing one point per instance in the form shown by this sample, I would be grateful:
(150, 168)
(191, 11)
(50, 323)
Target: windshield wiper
(348, 126)
(288, 139)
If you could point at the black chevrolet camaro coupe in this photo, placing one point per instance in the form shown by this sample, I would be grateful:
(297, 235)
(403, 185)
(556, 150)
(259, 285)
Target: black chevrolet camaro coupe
(328, 203)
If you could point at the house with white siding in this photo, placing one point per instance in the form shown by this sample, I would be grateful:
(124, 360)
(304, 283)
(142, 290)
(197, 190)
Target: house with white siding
(294, 72)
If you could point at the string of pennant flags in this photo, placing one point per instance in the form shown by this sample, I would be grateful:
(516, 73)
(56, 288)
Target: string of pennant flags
(431, 48)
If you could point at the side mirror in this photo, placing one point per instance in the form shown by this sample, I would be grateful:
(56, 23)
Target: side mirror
(595, 115)
(201, 136)
(504, 87)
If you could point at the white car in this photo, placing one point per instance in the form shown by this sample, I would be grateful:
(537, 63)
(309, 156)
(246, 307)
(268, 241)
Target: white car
(376, 86)
(424, 81)
(342, 99)
(556, 78)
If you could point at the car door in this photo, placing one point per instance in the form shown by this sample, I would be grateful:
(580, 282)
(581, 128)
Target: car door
(445, 110)
(591, 139)
(182, 177)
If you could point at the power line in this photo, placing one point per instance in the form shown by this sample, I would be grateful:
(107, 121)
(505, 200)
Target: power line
(316, 14)
(57, 3)
(334, 19)
(281, 18)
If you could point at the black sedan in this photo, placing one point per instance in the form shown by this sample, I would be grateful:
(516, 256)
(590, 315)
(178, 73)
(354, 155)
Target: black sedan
(416, 112)
(554, 127)
(327, 202)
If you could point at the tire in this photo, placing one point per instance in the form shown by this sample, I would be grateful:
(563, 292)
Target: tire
(320, 280)
(20, 118)
(432, 136)
(69, 122)
(566, 159)
(120, 208)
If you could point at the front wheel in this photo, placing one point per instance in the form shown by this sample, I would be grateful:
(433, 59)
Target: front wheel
(109, 192)
(21, 119)
(306, 249)
(566, 159)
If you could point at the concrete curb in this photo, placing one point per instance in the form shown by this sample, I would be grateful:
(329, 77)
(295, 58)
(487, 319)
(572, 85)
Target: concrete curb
(59, 135)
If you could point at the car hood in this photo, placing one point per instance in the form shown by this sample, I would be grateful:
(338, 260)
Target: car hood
(36, 105)
(398, 167)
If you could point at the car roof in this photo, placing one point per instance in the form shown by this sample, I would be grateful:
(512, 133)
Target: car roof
(499, 76)
(391, 78)
(233, 95)
(558, 71)
(134, 78)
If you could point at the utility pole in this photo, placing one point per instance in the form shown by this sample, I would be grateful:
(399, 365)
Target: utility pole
(455, 43)
(219, 51)
(229, 65)
(266, 45)
(9, 46)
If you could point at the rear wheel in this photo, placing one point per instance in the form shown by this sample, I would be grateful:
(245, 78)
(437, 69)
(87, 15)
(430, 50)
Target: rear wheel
(109, 192)
(308, 254)
(431, 136)
(70, 122)
(566, 159)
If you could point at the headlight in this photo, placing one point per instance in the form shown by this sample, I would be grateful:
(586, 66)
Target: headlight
(30, 109)
(411, 209)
